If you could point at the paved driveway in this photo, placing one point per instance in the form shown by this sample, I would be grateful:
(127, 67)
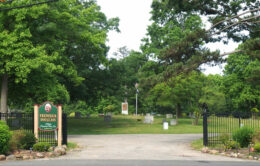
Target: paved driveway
(140, 147)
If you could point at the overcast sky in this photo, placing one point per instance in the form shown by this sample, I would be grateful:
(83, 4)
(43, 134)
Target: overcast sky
(134, 18)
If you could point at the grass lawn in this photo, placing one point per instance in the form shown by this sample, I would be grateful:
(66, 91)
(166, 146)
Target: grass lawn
(197, 144)
(129, 125)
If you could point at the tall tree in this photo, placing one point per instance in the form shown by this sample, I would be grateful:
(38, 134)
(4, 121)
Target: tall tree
(66, 40)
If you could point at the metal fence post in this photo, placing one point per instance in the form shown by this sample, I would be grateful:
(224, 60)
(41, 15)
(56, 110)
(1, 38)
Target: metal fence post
(205, 126)
(64, 129)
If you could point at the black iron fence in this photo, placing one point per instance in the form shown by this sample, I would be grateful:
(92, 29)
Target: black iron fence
(25, 121)
(215, 125)
(18, 121)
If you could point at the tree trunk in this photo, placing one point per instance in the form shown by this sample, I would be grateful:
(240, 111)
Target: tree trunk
(178, 110)
(4, 92)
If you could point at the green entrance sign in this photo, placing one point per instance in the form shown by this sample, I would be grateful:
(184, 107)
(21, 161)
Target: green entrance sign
(48, 117)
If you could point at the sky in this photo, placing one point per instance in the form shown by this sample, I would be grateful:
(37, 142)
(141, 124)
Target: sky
(134, 18)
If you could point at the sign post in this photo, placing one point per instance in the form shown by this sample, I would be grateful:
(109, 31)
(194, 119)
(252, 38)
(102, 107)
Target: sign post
(125, 108)
(47, 118)
(36, 123)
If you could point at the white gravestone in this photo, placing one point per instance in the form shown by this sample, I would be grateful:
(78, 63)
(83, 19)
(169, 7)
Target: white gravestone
(165, 125)
(169, 116)
(148, 119)
(173, 122)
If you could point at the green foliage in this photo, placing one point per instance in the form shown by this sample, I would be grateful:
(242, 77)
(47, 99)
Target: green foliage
(28, 140)
(254, 110)
(241, 83)
(224, 138)
(41, 147)
(79, 106)
(5, 136)
(110, 104)
(22, 139)
(243, 136)
(257, 147)
(72, 145)
(50, 50)
(15, 142)
(231, 145)
(256, 136)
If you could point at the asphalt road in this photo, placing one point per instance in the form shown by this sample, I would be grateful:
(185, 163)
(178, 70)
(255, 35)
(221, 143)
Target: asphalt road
(127, 163)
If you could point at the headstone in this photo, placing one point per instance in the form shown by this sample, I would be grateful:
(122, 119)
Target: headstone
(148, 119)
(109, 114)
(173, 122)
(165, 125)
(107, 118)
(19, 115)
(169, 116)
(16, 123)
(164, 120)
(158, 115)
(148, 114)
(101, 115)
(77, 115)
(88, 116)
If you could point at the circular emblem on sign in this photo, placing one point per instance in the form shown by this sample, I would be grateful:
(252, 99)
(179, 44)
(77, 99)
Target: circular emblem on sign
(47, 107)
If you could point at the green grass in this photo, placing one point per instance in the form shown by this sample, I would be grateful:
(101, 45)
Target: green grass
(72, 145)
(197, 144)
(129, 125)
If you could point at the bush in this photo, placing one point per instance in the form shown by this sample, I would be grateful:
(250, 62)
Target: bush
(28, 140)
(224, 138)
(231, 145)
(15, 142)
(22, 139)
(41, 147)
(5, 136)
(257, 147)
(243, 136)
(256, 137)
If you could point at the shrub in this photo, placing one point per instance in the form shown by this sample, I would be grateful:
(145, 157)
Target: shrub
(5, 136)
(224, 138)
(257, 147)
(256, 136)
(41, 147)
(28, 140)
(231, 145)
(22, 139)
(15, 142)
(243, 136)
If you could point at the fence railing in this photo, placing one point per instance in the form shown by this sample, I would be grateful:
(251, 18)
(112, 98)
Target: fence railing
(18, 121)
(25, 121)
(215, 125)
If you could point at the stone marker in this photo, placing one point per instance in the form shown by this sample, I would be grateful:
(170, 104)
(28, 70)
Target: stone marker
(169, 116)
(165, 125)
(173, 122)
(16, 123)
(164, 120)
(88, 116)
(107, 118)
(77, 115)
(148, 119)
(109, 114)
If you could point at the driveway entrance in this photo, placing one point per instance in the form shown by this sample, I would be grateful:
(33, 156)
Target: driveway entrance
(140, 147)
